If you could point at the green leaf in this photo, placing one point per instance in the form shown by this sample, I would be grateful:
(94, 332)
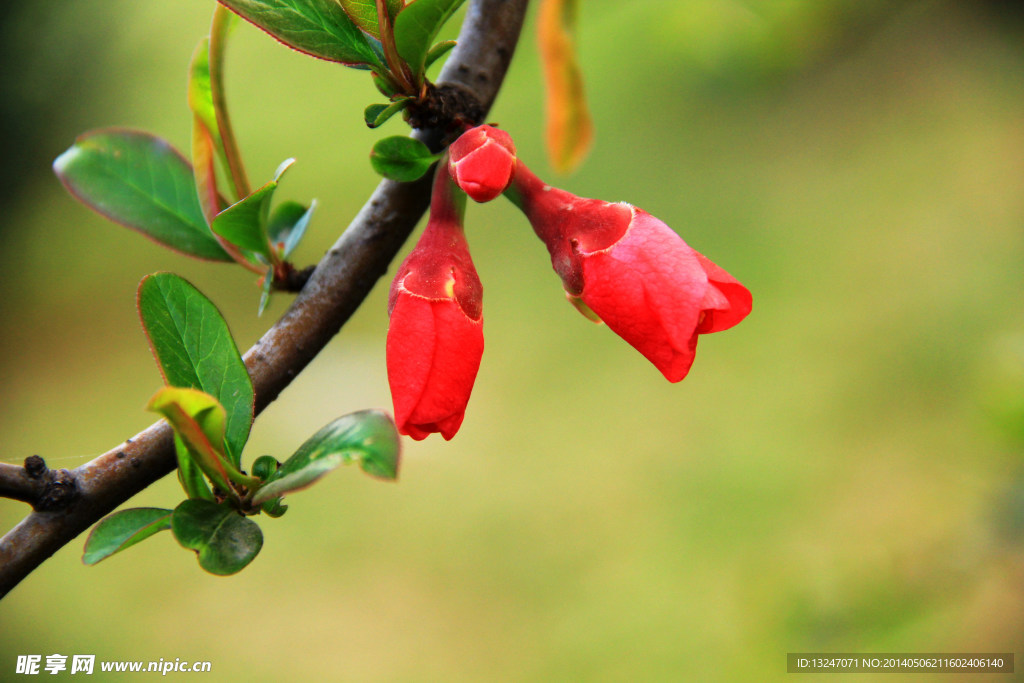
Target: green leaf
(264, 467)
(206, 139)
(141, 182)
(224, 540)
(194, 349)
(320, 28)
(417, 26)
(265, 291)
(368, 437)
(287, 225)
(385, 86)
(377, 114)
(200, 95)
(401, 158)
(244, 223)
(189, 475)
(198, 420)
(439, 50)
(364, 13)
(122, 530)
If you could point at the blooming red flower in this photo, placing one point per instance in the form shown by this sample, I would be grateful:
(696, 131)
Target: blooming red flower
(435, 337)
(634, 272)
(482, 162)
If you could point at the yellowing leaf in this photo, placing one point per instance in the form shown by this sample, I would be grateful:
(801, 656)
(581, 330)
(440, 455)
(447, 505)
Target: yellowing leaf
(570, 129)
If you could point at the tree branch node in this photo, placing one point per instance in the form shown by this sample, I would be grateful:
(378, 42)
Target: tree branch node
(42, 488)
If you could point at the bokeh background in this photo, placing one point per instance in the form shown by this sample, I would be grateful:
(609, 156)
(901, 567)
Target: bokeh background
(840, 473)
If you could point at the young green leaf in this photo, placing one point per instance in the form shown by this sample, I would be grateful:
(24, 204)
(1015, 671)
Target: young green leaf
(206, 139)
(194, 349)
(417, 26)
(570, 129)
(200, 95)
(141, 182)
(265, 291)
(384, 85)
(288, 223)
(401, 158)
(364, 13)
(368, 437)
(203, 150)
(320, 28)
(377, 114)
(189, 475)
(122, 530)
(439, 50)
(224, 540)
(244, 223)
(198, 420)
(264, 467)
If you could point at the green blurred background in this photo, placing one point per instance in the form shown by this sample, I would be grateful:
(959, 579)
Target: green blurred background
(840, 473)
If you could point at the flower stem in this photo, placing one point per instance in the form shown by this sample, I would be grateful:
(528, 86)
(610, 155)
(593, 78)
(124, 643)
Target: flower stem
(447, 201)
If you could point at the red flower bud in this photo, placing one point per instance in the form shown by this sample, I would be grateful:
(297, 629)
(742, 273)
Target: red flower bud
(634, 272)
(482, 162)
(435, 337)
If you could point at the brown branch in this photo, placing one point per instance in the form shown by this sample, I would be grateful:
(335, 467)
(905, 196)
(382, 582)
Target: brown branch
(340, 283)
(35, 484)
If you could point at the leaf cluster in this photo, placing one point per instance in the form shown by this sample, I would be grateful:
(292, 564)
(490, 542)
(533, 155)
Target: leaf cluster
(208, 401)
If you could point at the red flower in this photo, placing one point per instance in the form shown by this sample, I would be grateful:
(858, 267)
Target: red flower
(634, 272)
(435, 337)
(482, 162)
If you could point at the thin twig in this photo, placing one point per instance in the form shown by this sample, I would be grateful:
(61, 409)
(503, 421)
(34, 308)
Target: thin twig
(337, 287)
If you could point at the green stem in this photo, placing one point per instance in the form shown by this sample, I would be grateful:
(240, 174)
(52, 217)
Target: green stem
(232, 157)
(237, 477)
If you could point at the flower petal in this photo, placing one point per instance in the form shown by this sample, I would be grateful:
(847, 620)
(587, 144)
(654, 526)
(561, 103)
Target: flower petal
(726, 303)
(648, 288)
(433, 353)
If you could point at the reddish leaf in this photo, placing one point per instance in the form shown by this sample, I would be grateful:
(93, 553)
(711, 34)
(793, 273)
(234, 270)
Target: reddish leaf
(570, 130)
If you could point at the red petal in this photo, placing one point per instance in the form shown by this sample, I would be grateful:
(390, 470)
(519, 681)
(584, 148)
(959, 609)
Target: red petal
(433, 354)
(726, 303)
(482, 162)
(648, 288)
